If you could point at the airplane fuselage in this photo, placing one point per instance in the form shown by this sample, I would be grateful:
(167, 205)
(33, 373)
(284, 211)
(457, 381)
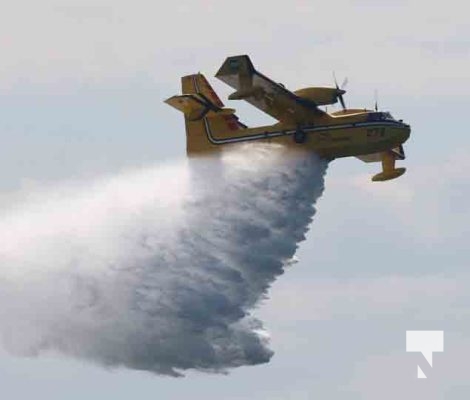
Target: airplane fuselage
(348, 133)
(371, 136)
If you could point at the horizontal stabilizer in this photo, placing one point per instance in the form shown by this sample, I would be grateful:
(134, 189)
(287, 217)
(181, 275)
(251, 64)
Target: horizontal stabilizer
(196, 106)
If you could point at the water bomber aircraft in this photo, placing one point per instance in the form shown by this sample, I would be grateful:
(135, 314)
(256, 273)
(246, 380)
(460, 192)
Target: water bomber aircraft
(370, 135)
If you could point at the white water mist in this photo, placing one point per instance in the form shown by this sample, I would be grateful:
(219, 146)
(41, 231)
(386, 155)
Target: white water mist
(156, 269)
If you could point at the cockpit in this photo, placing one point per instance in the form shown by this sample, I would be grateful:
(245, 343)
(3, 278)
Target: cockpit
(380, 116)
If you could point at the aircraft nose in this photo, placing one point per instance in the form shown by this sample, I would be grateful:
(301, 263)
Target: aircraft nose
(405, 132)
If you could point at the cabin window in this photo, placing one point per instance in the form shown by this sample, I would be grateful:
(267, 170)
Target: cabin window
(380, 116)
(374, 117)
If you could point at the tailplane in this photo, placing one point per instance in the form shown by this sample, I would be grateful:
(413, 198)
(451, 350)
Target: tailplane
(196, 106)
(204, 114)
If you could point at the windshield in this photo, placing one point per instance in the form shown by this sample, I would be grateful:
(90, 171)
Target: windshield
(380, 116)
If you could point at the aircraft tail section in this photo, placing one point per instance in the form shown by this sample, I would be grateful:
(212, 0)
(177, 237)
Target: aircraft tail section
(197, 83)
(205, 117)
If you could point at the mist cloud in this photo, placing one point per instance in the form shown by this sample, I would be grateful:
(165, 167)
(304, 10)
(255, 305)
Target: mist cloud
(157, 269)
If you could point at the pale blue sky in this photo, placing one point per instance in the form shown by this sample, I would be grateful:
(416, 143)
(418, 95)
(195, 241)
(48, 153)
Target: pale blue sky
(81, 90)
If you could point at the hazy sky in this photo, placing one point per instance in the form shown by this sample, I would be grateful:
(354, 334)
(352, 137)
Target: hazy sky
(82, 85)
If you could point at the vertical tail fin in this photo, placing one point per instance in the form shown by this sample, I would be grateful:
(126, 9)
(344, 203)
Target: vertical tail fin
(204, 114)
(198, 84)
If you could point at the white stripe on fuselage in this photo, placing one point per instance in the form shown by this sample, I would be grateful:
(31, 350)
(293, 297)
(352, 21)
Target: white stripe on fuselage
(273, 134)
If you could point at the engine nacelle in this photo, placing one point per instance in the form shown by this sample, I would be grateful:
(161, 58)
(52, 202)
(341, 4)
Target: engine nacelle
(320, 95)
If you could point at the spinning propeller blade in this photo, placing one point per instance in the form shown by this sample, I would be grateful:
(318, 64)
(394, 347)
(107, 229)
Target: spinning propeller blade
(340, 90)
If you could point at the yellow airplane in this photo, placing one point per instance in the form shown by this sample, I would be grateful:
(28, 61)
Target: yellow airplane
(369, 135)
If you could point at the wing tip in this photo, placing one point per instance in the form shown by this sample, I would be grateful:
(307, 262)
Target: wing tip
(236, 64)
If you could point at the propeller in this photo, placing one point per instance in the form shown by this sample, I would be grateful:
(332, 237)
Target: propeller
(340, 90)
(376, 101)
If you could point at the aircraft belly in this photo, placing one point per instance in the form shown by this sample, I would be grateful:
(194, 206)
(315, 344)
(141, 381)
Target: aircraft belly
(351, 142)
(328, 141)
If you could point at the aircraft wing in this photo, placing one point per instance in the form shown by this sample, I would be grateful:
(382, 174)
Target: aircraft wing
(265, 94)
(397, 152)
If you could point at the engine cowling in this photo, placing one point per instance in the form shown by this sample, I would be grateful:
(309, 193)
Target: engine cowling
(320, 95)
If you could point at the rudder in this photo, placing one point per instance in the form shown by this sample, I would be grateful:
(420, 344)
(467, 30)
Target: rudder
(204, 114)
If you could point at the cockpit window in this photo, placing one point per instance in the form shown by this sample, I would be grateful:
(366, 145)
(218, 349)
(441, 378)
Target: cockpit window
(380, 116)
